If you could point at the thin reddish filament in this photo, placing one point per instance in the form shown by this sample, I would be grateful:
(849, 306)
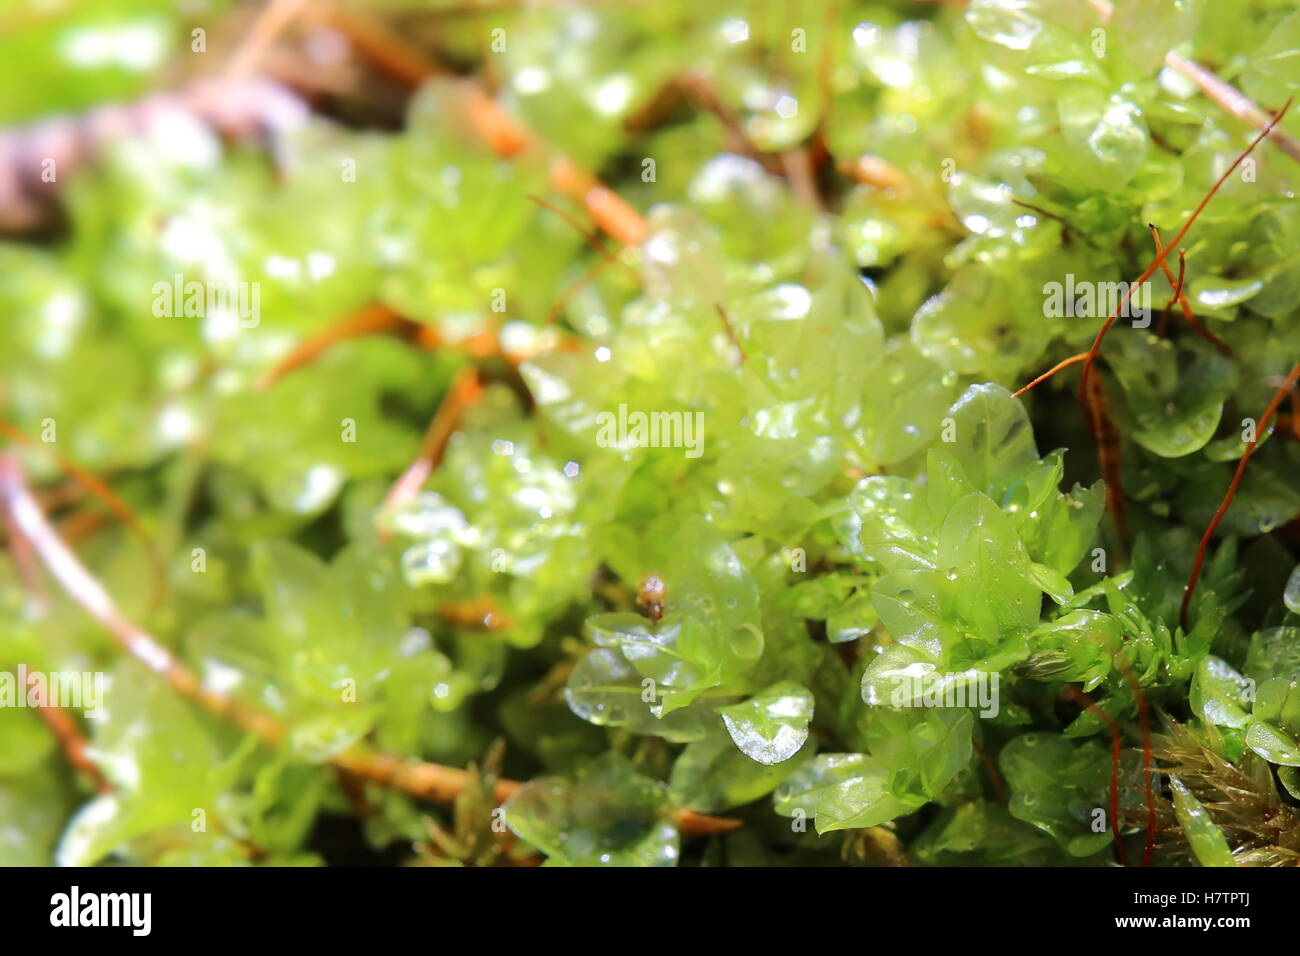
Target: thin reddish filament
(1144, 718)
(370, 319)
(992, 771)
(1264, 421)
(1107, 437)
(463, 392)
(1072, 360)
(106, 495)
(1086, 702)
(1181, 298)
(591, 238)
(1162, 255)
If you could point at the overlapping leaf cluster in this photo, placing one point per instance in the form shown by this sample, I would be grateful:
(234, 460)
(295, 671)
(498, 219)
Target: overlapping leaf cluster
(873, 522)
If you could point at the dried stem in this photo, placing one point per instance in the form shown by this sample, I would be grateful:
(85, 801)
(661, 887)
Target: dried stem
(502, 133)
(274, 19)
(1107, 437)
(591, 238)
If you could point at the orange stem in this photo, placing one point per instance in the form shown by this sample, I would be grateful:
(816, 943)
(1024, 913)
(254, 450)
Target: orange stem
(465, 390)
(73, 744)
(1181, 297)
(370, 319)
(1072, 360)
(1164, 252)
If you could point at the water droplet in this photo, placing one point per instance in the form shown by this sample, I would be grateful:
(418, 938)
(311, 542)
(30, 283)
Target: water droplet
(431, 562)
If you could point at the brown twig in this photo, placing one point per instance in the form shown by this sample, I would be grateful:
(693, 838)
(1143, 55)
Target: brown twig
(502, 133)
(1107, 437)
(991, 770)
(591, 238)
(271, 22)
(481, 614)
(562, 300)
(1090, 398)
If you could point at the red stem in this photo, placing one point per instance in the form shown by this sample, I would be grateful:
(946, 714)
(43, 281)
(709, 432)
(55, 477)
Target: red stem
(1188, 591)
(1086, 702)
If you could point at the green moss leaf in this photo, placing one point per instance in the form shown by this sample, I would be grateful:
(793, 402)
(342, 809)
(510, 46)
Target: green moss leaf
(608, 815)
(771, 726)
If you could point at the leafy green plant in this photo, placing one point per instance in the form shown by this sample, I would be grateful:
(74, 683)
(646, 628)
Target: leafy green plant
(669, 423)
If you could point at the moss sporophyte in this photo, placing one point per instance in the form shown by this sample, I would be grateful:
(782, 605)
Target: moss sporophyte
(355, 403)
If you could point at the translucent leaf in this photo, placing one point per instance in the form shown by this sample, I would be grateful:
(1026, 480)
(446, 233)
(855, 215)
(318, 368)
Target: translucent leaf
(922, 748)
(1218, 693)
(1291, 597)
(984, 834)
(608, 815)
(772, 725)
(1274, 652)
(855, 618)
(712, 775)
(994, 442)
(606, 690)
(1107, 136)
(990, 572)
(1273, 744)
(843, 791)
(1042, 36)
(918, 608)
(677, 654)
(1208, 843)
(1290, 778)
(1056, 585)
(1056, 785)
(1273, 72)
(896, 669)
(708, 582)
(34, 811)
(888, 522)
(161, 761)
